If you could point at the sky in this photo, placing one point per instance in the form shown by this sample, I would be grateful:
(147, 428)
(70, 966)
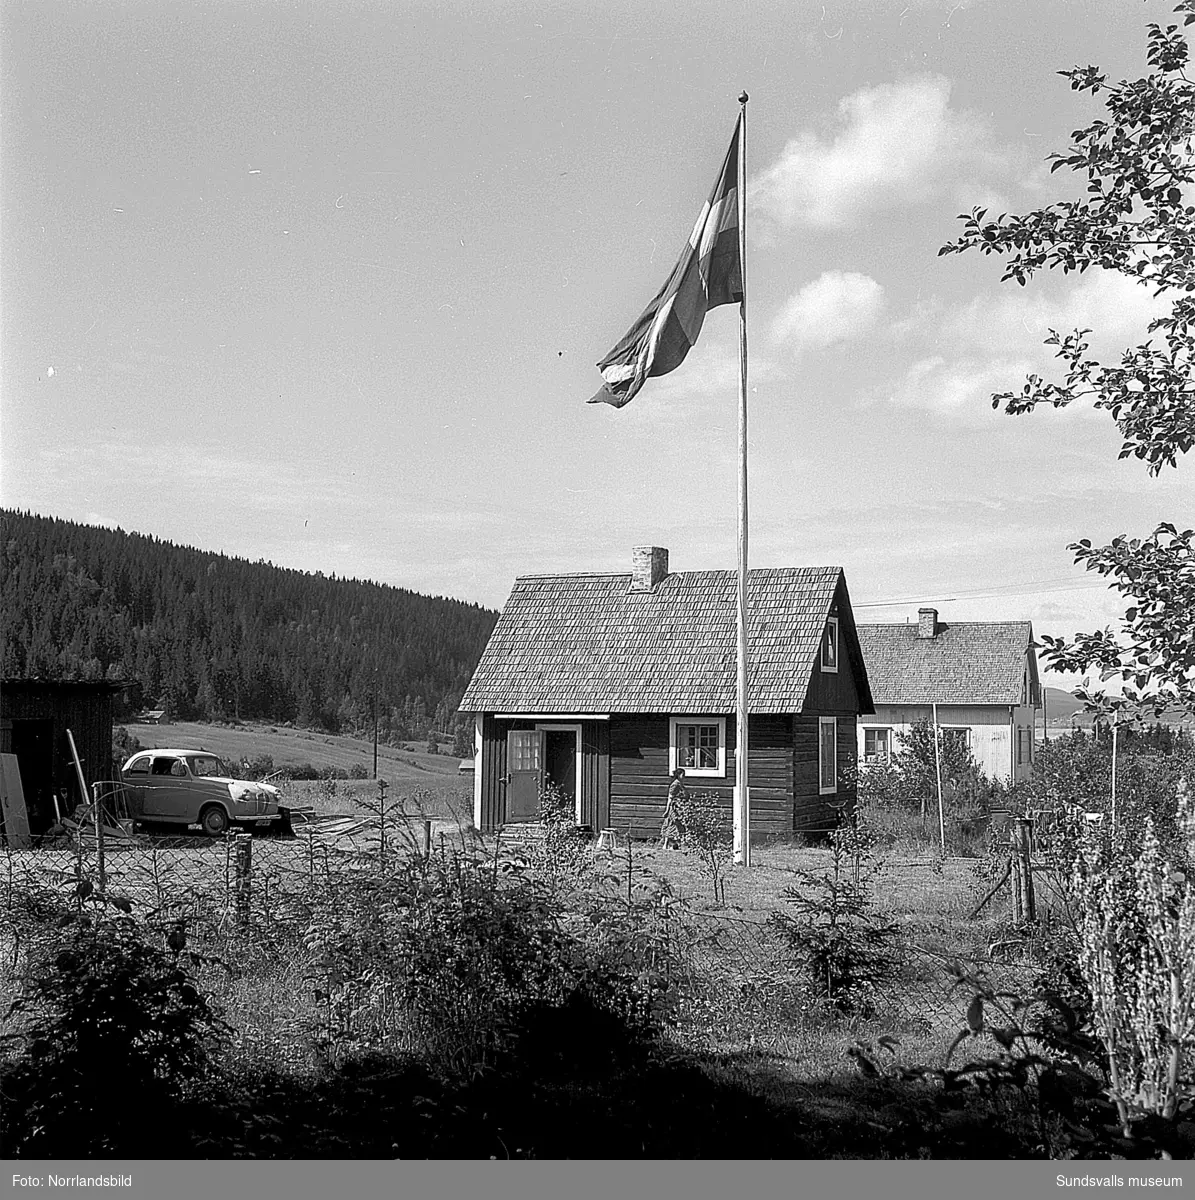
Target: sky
(325, 284)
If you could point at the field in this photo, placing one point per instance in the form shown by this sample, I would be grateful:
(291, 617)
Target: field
(287, 746)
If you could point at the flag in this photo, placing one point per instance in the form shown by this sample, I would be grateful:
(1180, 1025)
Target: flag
(708, 273)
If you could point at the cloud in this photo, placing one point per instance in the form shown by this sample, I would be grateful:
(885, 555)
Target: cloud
(835, 307)
(957, 387)
(1115, 308)
(967, 354)
(896, 144)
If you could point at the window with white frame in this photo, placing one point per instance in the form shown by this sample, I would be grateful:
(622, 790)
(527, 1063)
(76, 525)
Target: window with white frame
(830, 646)
(827, 754)
(698, 744)
(960, 734)
(1024, 745)
(877, 745)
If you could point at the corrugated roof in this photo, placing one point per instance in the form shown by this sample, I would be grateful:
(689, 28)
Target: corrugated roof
(585, 643)
(968, 662)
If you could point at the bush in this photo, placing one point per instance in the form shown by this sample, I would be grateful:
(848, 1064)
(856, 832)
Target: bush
(900, 797)
(707, 834)
(834, 935)
(124, 745)
(446, 957)
(116, 1030)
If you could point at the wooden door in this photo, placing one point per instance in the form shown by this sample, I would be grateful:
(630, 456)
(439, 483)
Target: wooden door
(524, 771)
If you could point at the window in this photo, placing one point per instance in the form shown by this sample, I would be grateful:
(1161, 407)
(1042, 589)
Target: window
(698, 745)
(877, 745)
(139, 766)
(165, 766)
(525, 749)
(830, 646)
(960, 734)
(827, 760)
(1024, 746)
(208, 764)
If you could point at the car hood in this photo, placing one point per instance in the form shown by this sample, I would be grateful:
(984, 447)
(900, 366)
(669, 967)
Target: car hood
(244, 787)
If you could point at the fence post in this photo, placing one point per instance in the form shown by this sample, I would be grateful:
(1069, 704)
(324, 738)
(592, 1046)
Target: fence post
(427, 839)
(1024, 906)
(100, 857)
(244, 877)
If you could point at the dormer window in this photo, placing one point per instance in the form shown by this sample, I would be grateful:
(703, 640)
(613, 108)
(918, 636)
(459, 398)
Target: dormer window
(830, 646)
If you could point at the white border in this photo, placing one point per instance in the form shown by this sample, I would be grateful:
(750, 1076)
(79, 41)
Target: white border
(822, 722)
(718, 772)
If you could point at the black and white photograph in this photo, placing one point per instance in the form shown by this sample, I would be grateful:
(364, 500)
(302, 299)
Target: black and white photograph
(605, 583)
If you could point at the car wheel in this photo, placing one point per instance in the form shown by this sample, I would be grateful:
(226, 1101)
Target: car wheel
(214, 821)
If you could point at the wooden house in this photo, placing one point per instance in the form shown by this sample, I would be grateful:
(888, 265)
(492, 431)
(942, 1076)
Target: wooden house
(35, 715)
(603, 684)
(981, 675)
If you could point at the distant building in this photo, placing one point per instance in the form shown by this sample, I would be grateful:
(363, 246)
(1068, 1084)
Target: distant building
(605, 683)
(981, 675)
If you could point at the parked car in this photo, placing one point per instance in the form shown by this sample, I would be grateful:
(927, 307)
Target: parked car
(189, 787)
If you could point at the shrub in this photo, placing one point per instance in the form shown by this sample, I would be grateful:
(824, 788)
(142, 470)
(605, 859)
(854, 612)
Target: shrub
(706, 834)
(115, 1030)
(833, 933)
(445, 957)
(124, 745)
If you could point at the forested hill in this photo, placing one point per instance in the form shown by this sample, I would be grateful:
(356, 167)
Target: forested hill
(218, 637)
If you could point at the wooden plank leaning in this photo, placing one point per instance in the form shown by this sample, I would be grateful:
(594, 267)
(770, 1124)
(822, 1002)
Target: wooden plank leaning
(14, 814)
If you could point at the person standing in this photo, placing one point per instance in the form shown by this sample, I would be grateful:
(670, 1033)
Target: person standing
(670, 828)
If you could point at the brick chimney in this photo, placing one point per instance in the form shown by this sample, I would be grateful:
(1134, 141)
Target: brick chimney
(649, 565)
(927, 623)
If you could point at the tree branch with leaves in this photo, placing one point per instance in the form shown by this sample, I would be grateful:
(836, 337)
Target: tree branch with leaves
(1135, 219)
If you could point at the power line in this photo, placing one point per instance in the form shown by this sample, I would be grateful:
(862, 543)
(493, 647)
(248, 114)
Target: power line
(995, 592)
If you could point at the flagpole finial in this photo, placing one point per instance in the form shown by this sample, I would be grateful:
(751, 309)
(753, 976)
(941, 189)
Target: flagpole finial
(743, 97)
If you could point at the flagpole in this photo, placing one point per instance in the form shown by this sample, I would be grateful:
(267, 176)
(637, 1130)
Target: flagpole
(742, 797)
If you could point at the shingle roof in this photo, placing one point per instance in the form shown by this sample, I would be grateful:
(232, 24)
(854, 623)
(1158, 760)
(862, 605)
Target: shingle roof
(969, 662)
(585, 643)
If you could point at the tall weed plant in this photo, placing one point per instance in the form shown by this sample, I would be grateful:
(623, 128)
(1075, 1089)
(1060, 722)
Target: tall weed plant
(1136, 931)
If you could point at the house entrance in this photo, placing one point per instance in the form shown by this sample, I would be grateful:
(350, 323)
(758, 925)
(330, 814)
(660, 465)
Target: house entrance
(560, 760)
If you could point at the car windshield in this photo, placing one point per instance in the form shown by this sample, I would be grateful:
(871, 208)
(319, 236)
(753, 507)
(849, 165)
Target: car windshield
(207, 764)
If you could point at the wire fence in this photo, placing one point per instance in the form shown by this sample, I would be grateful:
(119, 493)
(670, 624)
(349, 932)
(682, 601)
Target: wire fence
(260, 888)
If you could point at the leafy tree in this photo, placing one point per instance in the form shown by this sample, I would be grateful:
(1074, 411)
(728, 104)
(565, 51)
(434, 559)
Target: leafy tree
(1134, 218)
(910, 779)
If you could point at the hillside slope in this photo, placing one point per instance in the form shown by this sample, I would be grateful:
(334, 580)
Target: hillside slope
(214, 637)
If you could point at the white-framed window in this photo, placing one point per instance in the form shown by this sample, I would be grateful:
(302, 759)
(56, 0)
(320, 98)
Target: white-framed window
(827, 754)
(877, 745)
(959, 733)
(830, 646)
(698, 744)
(1024, 745)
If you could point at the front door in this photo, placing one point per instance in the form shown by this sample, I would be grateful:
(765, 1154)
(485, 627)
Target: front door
(560, 761)
(525, 772)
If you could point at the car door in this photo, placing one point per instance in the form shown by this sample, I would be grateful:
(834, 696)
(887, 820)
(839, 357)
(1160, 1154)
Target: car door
(166, 790)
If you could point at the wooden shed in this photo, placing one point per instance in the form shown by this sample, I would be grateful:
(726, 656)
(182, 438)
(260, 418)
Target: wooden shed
(604, 683)
(34, 717)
